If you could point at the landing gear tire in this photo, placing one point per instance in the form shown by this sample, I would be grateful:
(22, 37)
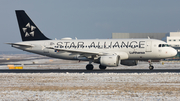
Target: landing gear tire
(102, 67)
(89, 67)
(151, 67)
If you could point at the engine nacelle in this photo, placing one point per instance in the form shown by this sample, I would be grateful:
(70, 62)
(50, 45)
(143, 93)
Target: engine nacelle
(110, 61)
(129, 62)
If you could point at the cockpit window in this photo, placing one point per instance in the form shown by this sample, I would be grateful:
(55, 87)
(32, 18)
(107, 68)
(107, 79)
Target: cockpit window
(164, 45)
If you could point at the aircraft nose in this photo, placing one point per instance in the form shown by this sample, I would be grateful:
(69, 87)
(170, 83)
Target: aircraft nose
(173, 52)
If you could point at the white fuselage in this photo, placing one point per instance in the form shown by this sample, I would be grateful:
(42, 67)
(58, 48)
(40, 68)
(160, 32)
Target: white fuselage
(127, 49)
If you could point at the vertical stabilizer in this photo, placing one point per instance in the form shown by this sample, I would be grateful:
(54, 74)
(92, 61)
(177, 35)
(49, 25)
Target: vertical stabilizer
(29, 31)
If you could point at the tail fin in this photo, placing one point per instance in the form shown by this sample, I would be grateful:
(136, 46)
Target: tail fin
(29, 31)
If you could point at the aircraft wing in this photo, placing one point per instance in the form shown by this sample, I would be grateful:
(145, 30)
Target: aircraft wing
(90, 54)
(80, 52)
(22, 45)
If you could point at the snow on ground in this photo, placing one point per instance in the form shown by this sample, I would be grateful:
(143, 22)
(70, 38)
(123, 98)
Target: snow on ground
(86, 86)
(90, 86)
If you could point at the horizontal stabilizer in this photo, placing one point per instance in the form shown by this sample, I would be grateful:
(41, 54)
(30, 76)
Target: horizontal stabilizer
(22, 45)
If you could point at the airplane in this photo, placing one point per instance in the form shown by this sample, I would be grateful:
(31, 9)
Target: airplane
(105, 52)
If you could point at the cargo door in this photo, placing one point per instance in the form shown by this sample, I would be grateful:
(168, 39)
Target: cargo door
(148, 46)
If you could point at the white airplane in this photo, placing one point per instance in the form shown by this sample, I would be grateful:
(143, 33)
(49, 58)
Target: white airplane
(106, 52)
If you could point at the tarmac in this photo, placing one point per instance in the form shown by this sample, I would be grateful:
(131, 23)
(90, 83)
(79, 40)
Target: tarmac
(90, 71)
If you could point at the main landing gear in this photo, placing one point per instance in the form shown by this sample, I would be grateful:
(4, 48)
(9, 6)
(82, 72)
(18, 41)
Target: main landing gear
(102, 67)
(151, 67)
(90, 66)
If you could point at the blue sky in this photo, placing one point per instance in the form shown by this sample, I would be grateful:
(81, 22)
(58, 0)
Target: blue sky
(88, 19)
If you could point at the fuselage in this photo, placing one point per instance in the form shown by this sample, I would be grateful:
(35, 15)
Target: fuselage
(126, 48)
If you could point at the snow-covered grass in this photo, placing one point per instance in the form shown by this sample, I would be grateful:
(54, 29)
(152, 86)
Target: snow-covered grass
(90, 86)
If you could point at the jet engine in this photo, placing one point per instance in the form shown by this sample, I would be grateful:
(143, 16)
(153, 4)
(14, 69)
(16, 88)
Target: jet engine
(110, 61)
(129, 62)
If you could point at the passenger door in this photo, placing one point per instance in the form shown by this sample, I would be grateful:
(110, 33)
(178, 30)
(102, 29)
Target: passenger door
(148, 46)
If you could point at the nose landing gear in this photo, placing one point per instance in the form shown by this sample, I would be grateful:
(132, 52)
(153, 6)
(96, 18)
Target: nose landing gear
(151, 67)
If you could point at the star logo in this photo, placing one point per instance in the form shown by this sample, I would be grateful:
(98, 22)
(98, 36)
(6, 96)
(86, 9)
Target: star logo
(29, 30)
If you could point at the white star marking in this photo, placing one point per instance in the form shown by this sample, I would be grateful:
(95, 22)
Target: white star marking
(32, 28)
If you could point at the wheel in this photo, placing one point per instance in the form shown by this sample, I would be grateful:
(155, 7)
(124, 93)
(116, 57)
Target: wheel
(89, 67)
(151, 67)
(102, 67)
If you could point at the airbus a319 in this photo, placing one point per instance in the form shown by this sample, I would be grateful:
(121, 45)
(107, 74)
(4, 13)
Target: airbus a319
(105, 52)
